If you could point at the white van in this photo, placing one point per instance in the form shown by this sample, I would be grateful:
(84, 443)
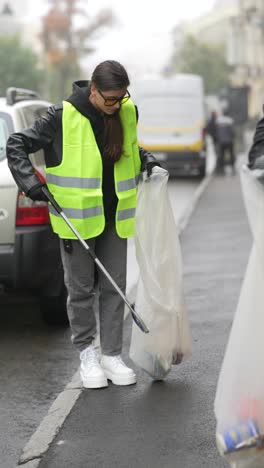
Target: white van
(172, 122)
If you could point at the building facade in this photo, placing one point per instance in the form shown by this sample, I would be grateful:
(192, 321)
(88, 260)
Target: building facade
(9, 22)
(214, 27)
(247, 52)
(238, 25)
(19, 7)
(15, 20)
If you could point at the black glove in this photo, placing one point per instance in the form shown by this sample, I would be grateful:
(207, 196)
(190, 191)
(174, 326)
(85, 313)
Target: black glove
(36, 193)
(150, 165)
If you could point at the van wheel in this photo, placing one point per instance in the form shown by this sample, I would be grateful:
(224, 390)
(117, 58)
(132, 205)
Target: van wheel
(53, 309)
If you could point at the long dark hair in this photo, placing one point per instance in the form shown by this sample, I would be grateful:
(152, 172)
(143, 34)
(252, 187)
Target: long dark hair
(107, 76)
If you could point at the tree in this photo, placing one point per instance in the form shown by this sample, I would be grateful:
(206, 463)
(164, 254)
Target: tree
(202, 59)
(65, 43)
(19, 66)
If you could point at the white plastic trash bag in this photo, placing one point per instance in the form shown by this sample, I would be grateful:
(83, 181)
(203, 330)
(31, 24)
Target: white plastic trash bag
(159, 298)
(239, 401)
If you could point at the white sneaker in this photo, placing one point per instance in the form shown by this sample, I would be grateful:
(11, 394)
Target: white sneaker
(91, 372)
(116, 370)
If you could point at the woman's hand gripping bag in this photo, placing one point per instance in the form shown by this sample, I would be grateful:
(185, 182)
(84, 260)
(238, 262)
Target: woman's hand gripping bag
(239, 401)
(159, 298)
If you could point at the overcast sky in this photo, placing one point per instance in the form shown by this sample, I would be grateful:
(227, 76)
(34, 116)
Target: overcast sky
(142, 39)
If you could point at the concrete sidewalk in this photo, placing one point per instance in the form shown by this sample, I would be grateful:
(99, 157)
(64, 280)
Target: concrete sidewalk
(171, 424)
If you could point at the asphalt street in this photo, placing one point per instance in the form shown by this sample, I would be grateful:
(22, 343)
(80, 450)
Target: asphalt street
(37, 361)
(171, 424)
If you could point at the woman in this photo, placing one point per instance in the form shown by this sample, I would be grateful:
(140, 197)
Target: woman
(92, 167)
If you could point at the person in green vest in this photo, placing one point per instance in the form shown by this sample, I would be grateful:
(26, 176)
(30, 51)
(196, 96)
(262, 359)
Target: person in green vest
(93, 163)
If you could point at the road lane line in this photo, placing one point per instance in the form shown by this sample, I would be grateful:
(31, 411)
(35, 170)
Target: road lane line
(185, 218)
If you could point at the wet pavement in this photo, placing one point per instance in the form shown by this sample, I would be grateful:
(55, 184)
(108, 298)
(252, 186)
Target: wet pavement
(171, 424)
(37, 361)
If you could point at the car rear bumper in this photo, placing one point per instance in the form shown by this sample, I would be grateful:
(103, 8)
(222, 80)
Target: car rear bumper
(33, 261)
(182, 163)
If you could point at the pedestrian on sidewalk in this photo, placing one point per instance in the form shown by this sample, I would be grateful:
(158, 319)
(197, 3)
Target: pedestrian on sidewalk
(212, 129)
(225, 136)
(92, 166)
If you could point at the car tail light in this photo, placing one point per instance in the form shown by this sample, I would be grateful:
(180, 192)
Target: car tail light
(204, 133)
(31, 212)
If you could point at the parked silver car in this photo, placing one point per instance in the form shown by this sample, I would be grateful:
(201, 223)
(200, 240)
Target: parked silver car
(29, 251)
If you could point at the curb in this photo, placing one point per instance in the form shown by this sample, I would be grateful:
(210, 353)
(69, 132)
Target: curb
(39, 443)
(185, 218)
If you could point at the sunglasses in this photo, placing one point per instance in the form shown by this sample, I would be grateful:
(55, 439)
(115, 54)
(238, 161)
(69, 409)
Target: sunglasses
(111, 101)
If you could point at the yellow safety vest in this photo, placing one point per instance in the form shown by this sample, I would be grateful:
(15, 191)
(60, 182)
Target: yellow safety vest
(76, 183)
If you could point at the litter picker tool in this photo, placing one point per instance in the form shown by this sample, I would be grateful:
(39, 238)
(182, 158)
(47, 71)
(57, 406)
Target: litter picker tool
(137, 319)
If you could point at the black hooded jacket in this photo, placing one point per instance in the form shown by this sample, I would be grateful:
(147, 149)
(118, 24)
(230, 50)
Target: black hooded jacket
(46, 134)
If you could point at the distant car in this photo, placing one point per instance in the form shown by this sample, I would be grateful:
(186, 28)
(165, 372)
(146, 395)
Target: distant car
(29, 250)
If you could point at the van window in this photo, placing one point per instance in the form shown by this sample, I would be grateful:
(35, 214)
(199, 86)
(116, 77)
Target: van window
(6, 129)
(175, 111)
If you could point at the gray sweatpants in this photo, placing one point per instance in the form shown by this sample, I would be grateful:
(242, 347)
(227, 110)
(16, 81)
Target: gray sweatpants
(79, 278)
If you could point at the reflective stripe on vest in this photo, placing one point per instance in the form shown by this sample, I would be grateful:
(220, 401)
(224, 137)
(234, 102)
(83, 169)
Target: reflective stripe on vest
(77, 182)
(126, 185)
(126, 214)
(74, 213)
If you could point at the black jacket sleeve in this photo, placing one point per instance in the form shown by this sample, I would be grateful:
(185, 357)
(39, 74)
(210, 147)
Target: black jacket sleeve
(146, 157)
(257, 148)
(25, 142)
